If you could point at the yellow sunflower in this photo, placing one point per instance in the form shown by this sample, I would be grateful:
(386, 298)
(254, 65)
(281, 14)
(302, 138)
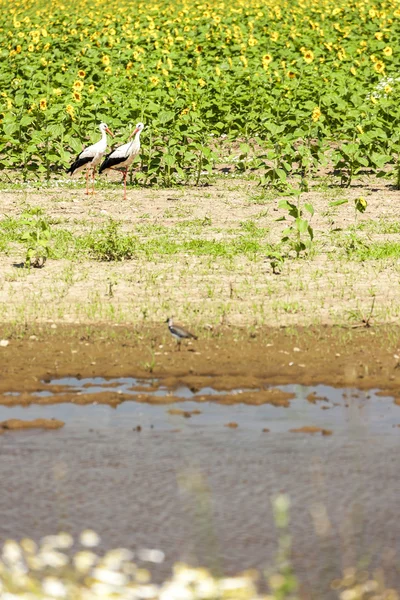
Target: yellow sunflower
(43, 104)
(201, 82)
(78, 85)
(266, 60)
(316, 114)
(91, 88)
(70, 110)
(81, 74)
(77, 96)
(308, 56)
(105, 60)
(379, 66)
(388, 51)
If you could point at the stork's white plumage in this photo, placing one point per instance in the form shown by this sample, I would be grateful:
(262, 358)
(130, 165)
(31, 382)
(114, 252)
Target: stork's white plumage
(91, 156)
(122, 157)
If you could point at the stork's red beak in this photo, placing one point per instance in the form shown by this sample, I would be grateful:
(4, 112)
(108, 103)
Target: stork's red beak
(109, 132)
(133, 133)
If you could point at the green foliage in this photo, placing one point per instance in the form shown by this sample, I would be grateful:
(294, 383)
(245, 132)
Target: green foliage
(299, 234)
(109, 244)
(291, 84)
(36, 237)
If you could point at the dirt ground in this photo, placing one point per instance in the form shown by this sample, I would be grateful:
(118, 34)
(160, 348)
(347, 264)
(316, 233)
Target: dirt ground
(324, 288)
(222, 358)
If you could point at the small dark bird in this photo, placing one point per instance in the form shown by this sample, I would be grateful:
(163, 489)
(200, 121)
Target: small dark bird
(178, 332)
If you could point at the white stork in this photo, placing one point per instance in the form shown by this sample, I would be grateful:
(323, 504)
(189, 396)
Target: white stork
(122, 157)
(91, 156)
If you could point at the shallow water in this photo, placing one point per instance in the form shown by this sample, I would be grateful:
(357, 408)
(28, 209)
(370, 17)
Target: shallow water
(343, 411)
(200, 491)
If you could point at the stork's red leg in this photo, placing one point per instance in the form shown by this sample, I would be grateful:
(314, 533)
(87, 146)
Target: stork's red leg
(125, 174)
(93, 176)
(87, 182)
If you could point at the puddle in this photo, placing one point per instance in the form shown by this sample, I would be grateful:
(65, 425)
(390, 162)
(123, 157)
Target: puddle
(130, 386)
(327, 408)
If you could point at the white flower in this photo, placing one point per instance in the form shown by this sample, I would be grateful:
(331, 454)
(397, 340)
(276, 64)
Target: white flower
(147, 591)
(64, 540)
(207, 588)
(235, 583)
(109, 577)
(84, 560)
(151, 555)
(52, 558)
(28, 546)
(89, 538)
(114, 558)
(12, 553)
(176, 591)
(54, 587)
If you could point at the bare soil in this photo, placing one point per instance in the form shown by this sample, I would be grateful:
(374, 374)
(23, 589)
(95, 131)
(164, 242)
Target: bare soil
(324, 288)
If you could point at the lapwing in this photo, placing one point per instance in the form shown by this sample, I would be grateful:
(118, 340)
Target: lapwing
(178, 332)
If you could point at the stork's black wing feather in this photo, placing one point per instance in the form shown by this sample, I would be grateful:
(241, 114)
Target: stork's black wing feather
(79, 162)
(111, 162)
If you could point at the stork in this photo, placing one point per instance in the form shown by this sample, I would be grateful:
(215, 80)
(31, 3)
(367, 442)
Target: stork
(122, 157)
(91, 156)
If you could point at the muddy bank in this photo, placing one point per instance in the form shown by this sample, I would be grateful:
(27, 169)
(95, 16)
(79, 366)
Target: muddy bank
(19, 424)
(363, 358)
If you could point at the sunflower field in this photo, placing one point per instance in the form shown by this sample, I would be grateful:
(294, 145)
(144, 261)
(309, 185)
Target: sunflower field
(298, 83)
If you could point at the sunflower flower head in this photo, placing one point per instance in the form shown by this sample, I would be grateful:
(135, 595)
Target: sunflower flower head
(81, 74)
(316, 114)
(308, 56)
(379, 66)
(78, 85)
(266, 61)
(105, 60)
(70, 111)
(43, 104)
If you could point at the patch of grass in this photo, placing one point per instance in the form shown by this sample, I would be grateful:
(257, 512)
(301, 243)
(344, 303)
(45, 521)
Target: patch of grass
(252, 228)
(375, 251)
(381, 226)
(109, 244)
